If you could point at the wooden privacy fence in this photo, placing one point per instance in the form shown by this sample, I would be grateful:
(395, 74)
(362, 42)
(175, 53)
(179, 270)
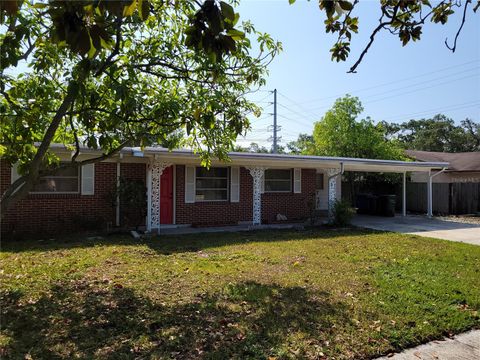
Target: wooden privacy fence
(453, 198)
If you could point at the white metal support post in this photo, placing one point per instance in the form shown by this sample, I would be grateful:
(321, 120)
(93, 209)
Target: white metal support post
(404, 195)
(149, 197)
(430, 191)
(155, 180)
(429, 195)
(117, 208)
(257, 174)
(333, 173)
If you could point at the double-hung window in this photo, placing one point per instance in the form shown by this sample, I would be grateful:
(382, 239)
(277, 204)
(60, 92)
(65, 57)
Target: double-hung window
(211, 184)
(278, 180)
(62, 181)
(319, 181)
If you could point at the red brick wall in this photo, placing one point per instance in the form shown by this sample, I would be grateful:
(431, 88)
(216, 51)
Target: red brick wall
(51, 214)
(294, 206)
(214, 212)
(48, 214)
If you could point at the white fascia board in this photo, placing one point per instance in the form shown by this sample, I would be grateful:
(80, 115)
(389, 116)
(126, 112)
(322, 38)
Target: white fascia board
(188, 157)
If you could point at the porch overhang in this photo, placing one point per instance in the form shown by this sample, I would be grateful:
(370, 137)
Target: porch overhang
(294, 161)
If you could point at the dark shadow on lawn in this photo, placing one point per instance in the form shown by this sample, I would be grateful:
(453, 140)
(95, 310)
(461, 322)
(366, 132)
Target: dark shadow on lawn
(169, 244)
(96, 320)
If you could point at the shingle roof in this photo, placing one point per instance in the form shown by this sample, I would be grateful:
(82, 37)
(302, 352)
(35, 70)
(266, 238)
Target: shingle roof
(467, 161)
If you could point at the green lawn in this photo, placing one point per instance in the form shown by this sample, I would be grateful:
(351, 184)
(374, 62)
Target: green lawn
(269, 294)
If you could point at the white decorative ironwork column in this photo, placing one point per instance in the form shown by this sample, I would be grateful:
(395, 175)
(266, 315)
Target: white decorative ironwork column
(257, 175)
(332, 189)
(157, 168)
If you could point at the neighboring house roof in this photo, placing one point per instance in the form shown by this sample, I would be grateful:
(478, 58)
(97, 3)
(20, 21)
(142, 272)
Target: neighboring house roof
(467, 161)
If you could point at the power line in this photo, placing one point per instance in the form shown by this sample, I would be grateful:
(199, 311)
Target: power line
(297, 104)
(275, 127)
(393, 81)
(410, 88)
(419, 89)
(265, 98)
(309, 121)
(296, 121)
(436, 110)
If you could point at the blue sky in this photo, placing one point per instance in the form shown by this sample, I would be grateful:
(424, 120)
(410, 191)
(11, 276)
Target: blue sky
(394, 83)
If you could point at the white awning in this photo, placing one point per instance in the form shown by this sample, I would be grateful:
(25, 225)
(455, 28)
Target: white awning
(287, 160)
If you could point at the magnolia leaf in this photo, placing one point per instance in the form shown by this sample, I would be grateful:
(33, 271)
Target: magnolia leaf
(236, 34)
(227, 11)
(129, 9)
(345, 5)
(83, 42)
(143, 9)
(92, 51)
(196, 113)
(105, 44)
(237, 17)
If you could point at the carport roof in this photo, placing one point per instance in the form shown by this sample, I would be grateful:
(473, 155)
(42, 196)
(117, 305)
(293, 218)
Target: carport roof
(287, 160)
(185, 156)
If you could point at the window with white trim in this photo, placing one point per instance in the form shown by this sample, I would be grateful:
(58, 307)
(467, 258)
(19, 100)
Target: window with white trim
(211, 184)
(319, 181)
(62, 181)
(278, 180)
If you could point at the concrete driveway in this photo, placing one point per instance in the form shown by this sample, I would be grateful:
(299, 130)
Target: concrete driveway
(423, 226)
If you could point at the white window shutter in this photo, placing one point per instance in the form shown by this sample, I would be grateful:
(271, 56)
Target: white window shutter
(234, 184)
(297, 181)
(14, 174)
(88, 179)
(189, 184)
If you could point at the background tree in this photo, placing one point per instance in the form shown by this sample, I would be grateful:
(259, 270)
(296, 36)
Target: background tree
(115, 73)
(341, 133)
(436, 134)
(256, 148)
(304, 145)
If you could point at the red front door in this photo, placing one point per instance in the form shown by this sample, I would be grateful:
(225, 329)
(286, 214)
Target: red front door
(166, 196)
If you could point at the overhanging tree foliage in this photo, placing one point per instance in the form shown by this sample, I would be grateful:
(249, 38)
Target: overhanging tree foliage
(402, 18)
(107, 74)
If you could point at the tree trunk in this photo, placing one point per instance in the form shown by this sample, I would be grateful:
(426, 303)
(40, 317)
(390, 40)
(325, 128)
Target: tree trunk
(20, 188)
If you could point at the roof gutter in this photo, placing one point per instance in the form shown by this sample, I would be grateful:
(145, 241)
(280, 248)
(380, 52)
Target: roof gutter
(342, 170)
(438, 173)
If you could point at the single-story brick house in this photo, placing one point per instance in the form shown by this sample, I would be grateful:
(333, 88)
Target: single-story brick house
(251, 188)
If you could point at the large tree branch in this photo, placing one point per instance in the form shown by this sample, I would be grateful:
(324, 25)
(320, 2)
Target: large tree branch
(394, 17)
(13, 194)
(454, 47)
(365, 50)
(116, 50)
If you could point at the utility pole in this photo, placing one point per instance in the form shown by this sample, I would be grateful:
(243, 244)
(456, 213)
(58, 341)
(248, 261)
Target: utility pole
(275, 121)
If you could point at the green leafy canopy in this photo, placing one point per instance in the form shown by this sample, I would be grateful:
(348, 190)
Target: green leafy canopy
(107, 74)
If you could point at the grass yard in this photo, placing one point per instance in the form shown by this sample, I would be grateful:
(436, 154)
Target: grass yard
(270, 294)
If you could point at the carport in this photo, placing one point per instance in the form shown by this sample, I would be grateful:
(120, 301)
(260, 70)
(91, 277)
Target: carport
(390, 166)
